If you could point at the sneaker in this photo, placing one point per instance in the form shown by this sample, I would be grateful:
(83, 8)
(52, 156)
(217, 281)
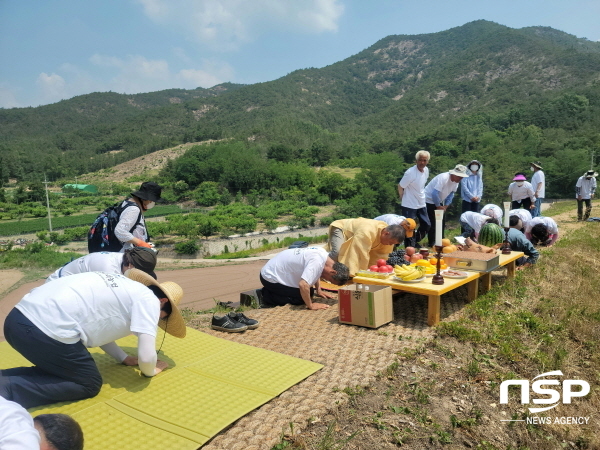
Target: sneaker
(240, 318)
(227, 324)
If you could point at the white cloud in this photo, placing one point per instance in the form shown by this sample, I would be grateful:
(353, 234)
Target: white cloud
(53, 88)
(228, 24)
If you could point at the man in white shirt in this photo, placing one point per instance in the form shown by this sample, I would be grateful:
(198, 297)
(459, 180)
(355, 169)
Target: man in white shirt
(538, 182)
(110, 262)
(585, 190)
(411, 190)
(519, 219)
(54, 324)
(521, 193)
(542, 231)
(471, 223)
(292, 276)
(439, 193)
(19, 431)
(493, 211)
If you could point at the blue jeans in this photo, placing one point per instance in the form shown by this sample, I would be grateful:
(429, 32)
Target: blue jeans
(61, 372)
(424, 225)
(537, 211)
(466, 230)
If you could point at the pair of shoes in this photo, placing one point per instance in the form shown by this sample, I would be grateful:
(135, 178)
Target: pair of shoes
(233, 323)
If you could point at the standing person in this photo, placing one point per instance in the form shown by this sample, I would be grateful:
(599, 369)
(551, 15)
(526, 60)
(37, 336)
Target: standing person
(131, 229)
(411, 190)
(538, 182)
(585, 190)
(439, 193)
(110, 262)
(521, 192)
(493, 211)
(292, 277)
(359, 243)
(471, 188)
(54, 325)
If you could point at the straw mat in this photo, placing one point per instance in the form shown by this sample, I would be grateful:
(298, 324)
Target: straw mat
(352, 357)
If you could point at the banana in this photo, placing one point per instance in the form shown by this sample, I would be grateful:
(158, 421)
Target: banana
(418, 272)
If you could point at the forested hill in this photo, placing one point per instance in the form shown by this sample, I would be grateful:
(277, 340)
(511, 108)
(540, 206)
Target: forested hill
(475, 90)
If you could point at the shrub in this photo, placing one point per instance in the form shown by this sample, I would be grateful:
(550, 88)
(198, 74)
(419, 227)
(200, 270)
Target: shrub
(187, 248)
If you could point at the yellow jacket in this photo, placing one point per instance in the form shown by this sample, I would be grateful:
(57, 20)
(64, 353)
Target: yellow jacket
(363, 245)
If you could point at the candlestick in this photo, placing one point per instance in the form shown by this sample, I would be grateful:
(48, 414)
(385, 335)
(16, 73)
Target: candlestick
(506, 217)
(438, 278)
(439, 226)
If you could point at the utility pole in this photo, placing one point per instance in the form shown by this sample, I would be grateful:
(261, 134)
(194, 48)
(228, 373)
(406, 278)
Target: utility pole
(48, 204)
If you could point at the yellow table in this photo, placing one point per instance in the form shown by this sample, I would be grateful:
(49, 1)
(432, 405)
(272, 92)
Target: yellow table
(434, 292)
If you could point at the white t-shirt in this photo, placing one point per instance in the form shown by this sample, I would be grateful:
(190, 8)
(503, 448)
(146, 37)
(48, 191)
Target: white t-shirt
(413, 182)
(518, 193)
(441, 183)
(16, 427)
(522, 214)
(539, 177)
(391, 219)
(95, 308)
(294, 264)
(551, 225)
(586, 187)
(109, 262)
(126, 221)
(493, 211)
(474, 220)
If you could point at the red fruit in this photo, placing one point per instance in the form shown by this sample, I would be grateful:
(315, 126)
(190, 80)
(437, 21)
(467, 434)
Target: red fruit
(374, 268)
(381, 262)
(383, 269)
(390, 268)
(410, 251)
(415, 257)
(406, 257)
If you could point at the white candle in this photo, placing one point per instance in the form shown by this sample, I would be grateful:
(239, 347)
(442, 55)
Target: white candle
(506, 210)
(439, 226)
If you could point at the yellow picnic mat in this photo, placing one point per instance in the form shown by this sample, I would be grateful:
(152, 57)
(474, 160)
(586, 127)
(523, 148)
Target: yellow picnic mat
(210, 383)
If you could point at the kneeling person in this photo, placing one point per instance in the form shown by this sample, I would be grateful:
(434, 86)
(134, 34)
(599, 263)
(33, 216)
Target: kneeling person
(54, 324)
(292, 276)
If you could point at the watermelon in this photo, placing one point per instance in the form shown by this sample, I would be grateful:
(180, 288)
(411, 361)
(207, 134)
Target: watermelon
(490, 235)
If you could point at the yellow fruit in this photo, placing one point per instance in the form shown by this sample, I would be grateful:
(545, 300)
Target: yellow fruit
(449, 249)
(433, 261)
(422, 262)
(446, 242)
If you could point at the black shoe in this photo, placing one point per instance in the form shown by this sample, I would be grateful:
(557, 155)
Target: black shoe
(227, 324)
(240, 318)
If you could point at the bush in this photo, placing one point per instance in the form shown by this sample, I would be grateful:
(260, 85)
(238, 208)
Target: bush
(187, 248)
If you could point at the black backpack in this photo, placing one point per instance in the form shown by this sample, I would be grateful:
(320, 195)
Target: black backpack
(101, 237)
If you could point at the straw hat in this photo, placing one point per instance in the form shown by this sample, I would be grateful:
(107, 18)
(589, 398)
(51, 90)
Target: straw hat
(459, 171)
(591, 173)
(537, 164)
(174, 324)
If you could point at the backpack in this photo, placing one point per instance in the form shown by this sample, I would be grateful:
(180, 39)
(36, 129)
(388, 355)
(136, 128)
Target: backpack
(101, 237)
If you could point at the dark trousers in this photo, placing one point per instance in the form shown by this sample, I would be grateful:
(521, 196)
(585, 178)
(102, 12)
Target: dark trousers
(276, 294)
(61, 372)
(470, 206)
(525, 203)
(466, 230)
(588, 209)
(431, 233)
(424, 224)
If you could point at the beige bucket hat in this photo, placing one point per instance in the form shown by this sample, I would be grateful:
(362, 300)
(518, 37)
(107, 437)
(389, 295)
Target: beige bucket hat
(174, 324)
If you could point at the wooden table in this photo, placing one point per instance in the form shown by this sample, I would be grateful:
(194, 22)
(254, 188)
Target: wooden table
(434, 292)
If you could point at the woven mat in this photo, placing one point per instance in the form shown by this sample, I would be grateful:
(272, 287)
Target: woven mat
(352, 357)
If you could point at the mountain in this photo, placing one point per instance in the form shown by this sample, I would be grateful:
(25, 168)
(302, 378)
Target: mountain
(402, 88)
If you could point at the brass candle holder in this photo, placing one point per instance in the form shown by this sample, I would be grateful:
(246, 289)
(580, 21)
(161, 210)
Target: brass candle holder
(506, 248)
(438, 278)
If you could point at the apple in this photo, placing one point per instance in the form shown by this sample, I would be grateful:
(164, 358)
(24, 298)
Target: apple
(415, 257)
(407, 258)
(390, 268)
(410, 251)
(381, 262)
(374, 268)
(383, 269)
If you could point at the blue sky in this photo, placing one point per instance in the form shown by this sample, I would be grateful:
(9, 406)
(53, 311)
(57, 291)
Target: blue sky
(52, 50)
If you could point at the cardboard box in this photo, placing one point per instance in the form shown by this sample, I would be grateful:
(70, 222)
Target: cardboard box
(368, 306)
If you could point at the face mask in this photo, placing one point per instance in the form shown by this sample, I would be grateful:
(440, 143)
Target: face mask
(474, 168)
(519, 183)
(150, 205)
(532, 169)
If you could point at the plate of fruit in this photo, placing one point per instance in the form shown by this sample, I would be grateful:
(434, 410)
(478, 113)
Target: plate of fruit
(409, 274)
